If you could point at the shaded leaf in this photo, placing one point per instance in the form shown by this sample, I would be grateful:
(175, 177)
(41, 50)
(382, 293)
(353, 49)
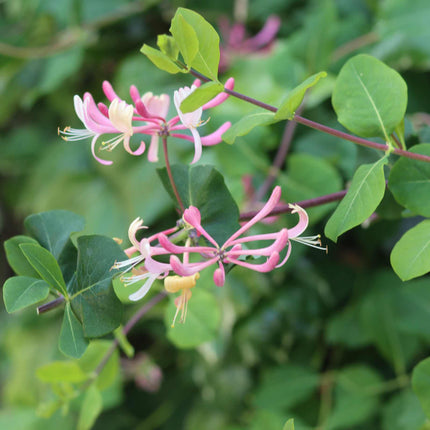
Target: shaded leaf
(46, 265)
(21, 291)
(285, 386)
(289, 425)
(421, 384)
(52, 229)
(409, 182)
(92, 296)
(363, 197)
(203, 187)
(17, 259)
(72, 341)
(168, 46)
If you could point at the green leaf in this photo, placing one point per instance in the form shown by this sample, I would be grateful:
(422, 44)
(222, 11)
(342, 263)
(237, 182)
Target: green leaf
(16, 258)
(295, 97)
(400, 131)
(202, 321)
(203, 187)
(168, 46)
(92, 297)
(91, 408)
(289, 425)
(369, 97)
(201, 95)
(421, 384)
(355, 397)
(92, 357)
(410, 256)
(21, 291)
(53, 229)
(409, 182)
(246, 124)
(308, 177)
(285, 386)
(364, 195)
(161, 60)
(61, 371)
(46, 265)
(72, 341)
(206, 60)
(185, 38)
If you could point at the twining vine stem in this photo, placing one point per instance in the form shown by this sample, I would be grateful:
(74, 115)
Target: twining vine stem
(130, 324)
(169, 173)
(320, 127)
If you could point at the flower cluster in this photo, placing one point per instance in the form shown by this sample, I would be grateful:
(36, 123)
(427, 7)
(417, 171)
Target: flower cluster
(147, 116)
(182, 270)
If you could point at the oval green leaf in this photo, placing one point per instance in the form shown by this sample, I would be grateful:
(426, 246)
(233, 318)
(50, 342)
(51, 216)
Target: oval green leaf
(72, 341)
(202, 323)
(185, 38)
(20, 292)
(295, 97)
(410, 182)
(16, 258)
(92, 296)
(369, 97)
(246, 124)
(52, 229)
(364, 195)
(161, 60)
(206, 60)
(91, 408)
(204, 187)
(45, 265)
(421, 384)
(201, 95)
(61, 371)
(410, 256)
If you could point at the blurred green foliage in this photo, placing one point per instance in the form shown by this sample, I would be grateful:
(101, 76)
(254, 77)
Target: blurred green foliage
(332, 339)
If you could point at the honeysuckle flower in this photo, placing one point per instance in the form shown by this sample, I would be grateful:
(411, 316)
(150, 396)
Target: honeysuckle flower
(191, 120)
(235, 42)
(232, 251)
(174, 284)
(151, 269)
(147, 115)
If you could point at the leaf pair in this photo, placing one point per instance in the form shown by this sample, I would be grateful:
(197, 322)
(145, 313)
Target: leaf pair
(48, 262)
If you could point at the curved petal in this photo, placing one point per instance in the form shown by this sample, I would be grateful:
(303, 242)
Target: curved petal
(141, 292)
(197, 145)
(267, 266)
(216, 137)
(287, 256)
(301, 225)
(93, 145)
(138, 151)
(219, 275)
(266, 209)
(182, 269)
(109, 91)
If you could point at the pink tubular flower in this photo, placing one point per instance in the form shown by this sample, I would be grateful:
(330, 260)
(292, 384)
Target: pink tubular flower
(235, 42)
(147, 115)
(152, 269)
(233, 250)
